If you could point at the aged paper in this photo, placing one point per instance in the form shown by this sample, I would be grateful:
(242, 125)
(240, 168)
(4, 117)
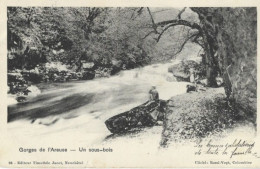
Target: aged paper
(74, 123)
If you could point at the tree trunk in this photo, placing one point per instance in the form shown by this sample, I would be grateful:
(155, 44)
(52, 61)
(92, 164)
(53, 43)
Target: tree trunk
(211, 76)
(211, 67)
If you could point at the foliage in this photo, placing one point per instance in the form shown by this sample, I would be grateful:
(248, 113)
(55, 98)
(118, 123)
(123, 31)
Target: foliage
(70, 35)
(100, 35)
(194, 116)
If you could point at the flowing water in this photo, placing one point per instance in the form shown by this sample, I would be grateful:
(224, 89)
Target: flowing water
(79, 109)
(72, 115)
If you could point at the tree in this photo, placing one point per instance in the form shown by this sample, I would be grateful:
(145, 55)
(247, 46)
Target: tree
(123, 37)
(73, 35)
(203, 36)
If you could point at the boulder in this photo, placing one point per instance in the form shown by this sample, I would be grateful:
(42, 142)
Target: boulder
(181, 76)
(15, 77)
(21, 98)
(88, 75)
(190, 88)
(203, 82)
(16, 83)
(102, 72)
(171, 79)
(33, 77)
(146, 114)
(182, 70)
(116, 66)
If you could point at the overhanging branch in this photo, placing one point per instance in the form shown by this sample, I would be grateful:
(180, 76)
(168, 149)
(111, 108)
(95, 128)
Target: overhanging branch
(186, 40)
(149, 34)
(165, 29)
(174, 22)
(154, 26)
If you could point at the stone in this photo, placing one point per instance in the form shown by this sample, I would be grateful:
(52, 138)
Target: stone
(203, 82)
(190, 88)
(21, 98)
(183, 70)
(88, 75)
(146, 114)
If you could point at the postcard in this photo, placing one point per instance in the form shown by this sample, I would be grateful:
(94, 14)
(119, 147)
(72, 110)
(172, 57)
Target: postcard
(115, 84)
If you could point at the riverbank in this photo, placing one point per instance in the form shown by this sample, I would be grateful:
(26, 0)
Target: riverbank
(197, 115)
(189, 118)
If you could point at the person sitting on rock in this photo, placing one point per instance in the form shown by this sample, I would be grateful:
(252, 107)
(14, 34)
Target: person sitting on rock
(192, 75)
(154, 95)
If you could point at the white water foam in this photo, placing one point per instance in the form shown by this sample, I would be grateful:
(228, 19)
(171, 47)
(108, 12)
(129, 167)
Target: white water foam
(111, 96)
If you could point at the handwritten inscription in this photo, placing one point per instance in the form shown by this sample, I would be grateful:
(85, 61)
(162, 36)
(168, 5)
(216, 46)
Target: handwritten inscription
(238, 147)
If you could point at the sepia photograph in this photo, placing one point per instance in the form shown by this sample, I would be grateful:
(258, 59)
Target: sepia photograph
(132, 81)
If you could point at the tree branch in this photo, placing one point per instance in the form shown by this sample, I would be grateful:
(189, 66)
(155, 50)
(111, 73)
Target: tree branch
(139, 12)
(186, 40)
(165, 29)
(161, 10)
(174, 22)
(179, 15)
(154, 25)
(196, 40)
(148, 34)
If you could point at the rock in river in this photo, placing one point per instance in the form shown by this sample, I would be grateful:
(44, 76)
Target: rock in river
(146, 114)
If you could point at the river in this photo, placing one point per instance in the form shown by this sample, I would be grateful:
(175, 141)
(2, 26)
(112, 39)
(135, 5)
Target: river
(78, 109)
(72, 115)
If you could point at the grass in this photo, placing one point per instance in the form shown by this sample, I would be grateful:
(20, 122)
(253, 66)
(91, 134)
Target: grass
(194, 116)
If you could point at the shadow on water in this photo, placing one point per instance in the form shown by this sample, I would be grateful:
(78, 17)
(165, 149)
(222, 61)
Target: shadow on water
(46, 124)
(130, 133)
(40, 99)
(61, 106)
